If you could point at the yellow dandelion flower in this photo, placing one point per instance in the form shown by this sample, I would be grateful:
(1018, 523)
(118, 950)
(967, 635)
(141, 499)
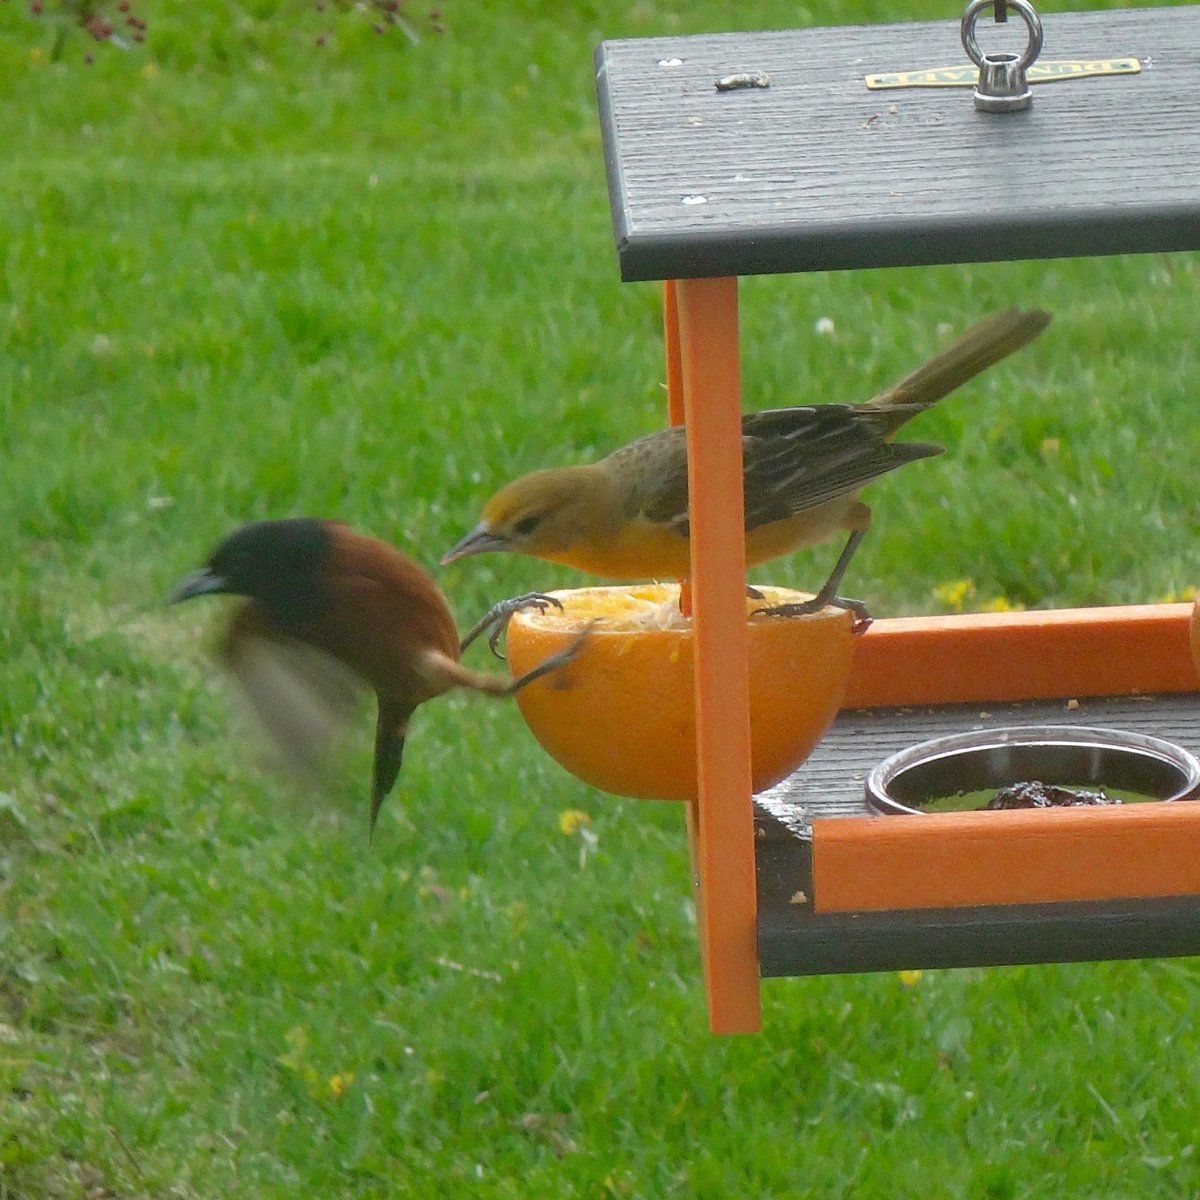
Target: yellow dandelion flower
(954, 593)
(1002, 604)
(572, 820)
(340, 1084)
(1186, 596)
(909, 978)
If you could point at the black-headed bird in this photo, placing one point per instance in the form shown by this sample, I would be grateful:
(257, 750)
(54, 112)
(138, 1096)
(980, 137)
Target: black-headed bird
(327, 612)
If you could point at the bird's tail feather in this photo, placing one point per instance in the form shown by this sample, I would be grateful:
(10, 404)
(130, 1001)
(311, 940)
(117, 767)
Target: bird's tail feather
(390, 732)
(982, 346)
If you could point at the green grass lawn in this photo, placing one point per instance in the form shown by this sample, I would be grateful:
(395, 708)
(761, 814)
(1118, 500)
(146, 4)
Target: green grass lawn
(245, 277)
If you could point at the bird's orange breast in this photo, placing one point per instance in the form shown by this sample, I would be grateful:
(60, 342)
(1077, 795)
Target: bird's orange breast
(805, 528)
(645, 550)
(638, 550)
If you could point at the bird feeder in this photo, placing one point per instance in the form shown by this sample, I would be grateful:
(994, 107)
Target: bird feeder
(905, 145)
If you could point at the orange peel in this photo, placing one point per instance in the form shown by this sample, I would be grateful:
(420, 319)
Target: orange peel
(621, 716)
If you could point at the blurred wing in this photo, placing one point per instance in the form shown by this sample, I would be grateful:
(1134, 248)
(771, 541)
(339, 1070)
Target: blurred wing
(301, 696)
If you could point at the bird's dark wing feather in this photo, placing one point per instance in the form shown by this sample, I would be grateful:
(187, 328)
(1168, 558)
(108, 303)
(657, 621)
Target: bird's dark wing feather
(799, 458)
(795, 459)
(662, 494)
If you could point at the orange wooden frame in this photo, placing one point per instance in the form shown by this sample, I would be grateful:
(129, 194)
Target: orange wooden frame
(704, 389)
(864, 864)
(1023, 656)
(949, 859)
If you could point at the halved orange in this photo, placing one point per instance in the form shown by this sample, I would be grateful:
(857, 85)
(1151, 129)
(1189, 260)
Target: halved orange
(621, 716)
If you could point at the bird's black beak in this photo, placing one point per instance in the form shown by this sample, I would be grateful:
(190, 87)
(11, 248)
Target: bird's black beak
(204, 582)
(480, 540)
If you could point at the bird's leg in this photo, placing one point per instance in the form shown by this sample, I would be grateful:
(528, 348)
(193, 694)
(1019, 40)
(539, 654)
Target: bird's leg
(443, 673)
(555, 662)
(495, 621)
(828, 593)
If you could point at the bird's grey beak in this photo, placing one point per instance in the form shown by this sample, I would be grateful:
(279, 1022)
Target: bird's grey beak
(480, 540)
(203, 582)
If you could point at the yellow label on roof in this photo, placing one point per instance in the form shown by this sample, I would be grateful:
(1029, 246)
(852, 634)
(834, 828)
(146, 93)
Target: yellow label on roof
(1040, 72)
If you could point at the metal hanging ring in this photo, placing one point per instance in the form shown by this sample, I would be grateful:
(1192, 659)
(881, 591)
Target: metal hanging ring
(1027, 13)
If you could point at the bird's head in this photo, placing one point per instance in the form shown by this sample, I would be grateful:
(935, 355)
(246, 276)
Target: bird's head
(542, 514)
(279, 563)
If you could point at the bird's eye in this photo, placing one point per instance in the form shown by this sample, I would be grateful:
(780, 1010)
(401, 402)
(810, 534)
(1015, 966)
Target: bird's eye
(526, 525)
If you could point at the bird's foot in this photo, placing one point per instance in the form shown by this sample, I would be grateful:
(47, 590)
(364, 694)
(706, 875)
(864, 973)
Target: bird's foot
(862, 618)
(557, 661)
(495, 621)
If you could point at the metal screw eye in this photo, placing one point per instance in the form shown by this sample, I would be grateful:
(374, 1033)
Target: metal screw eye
(1002, 85)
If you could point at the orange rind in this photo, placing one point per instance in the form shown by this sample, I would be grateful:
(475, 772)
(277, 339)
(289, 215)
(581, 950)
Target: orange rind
(621, 716)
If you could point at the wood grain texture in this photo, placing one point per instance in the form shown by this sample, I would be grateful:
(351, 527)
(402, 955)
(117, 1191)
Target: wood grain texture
(815, 172)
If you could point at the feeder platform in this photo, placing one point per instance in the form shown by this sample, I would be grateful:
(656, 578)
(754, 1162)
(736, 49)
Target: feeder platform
(752, 153)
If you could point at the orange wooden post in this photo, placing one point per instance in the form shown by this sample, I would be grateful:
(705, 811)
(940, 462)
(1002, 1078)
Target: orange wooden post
(674, 353)
(701, 318)
(675, 413)
(675, 417)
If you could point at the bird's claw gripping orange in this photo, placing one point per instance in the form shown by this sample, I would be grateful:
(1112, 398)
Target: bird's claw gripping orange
(862, 618)
(556, 662)
(495, 621)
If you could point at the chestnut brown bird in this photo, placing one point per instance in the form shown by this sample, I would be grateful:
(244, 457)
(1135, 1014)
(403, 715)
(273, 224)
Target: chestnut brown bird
(329, 611)
(626, 516)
